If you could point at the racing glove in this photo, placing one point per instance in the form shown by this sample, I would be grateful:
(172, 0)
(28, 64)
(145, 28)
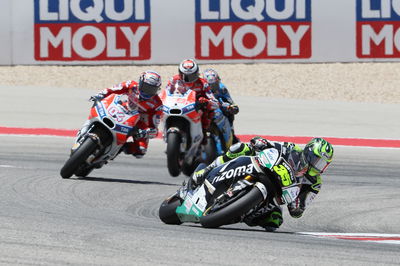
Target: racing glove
(97, 97)
(145, 133)
(259, 143)
(199, 176)
(206, 104)
(233, 109)
(230, 108)
(201, 103)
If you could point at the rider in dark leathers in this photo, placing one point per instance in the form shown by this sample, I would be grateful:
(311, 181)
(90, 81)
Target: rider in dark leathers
(308, 165)
(221, 93)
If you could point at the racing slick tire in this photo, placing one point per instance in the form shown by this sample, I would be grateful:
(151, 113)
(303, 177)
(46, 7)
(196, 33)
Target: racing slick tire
(167, 212)
(173, 153)
(78, 158)
(238, 207)
(210, 150)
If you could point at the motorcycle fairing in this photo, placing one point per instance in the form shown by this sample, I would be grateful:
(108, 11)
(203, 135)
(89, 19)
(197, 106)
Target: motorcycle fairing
(193, 206)
(234, 169)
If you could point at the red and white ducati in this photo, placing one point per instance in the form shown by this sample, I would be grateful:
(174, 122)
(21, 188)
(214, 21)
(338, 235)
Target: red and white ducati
(183, 130)
(111, 122)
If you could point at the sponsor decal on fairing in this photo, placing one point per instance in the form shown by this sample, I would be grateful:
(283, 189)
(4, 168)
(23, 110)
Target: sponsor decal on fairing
(82, 30)
(238, 171)
(378, 24)
(253, 29)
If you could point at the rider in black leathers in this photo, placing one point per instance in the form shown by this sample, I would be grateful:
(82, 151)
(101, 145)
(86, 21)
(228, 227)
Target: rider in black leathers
(308, 165)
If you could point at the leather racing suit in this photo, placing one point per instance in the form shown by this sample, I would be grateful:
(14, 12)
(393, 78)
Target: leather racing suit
(150, 111)
(228, 106)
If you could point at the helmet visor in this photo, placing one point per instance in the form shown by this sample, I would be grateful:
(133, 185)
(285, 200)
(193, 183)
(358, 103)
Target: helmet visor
(316, 162)
(147, 90)
(190, 77)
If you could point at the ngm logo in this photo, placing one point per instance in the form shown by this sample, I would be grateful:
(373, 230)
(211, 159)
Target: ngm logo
(253, 29)
(67, 30)
(378, 24)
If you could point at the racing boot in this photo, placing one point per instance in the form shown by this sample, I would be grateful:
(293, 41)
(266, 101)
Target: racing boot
(268, 217)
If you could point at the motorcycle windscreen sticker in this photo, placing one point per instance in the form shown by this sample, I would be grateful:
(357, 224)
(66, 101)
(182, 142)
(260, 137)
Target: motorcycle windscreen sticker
(81, 30)
(377, 29)
(253, 29)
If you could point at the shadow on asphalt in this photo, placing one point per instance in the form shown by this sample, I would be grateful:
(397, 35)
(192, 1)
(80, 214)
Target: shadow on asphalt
(249, 229)
(127, 181)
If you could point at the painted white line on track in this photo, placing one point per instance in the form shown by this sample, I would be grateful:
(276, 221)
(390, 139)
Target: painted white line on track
(367, 237)
(7, 166)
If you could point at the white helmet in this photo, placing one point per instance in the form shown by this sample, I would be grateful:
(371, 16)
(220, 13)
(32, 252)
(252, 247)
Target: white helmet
(189, 70)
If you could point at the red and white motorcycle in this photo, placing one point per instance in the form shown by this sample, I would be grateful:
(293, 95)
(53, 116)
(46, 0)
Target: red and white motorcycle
(183, 131)
(111, 122)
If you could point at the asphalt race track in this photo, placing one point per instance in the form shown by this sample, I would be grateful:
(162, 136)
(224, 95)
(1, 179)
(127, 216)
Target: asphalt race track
(111, 217)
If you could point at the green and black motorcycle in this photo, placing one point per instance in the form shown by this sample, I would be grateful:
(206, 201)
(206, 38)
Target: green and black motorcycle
(232, 191)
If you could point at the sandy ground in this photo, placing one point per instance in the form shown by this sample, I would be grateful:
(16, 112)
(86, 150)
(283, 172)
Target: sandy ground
(350, 82)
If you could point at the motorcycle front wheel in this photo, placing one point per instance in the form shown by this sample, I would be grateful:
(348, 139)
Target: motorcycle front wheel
(173, 153)
(167, 211)
(78, 158)
(222, 213)
(210, 150)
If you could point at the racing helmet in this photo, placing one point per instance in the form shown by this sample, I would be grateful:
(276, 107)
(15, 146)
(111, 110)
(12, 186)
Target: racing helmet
(212, 78)
(149, 84)
(317, 154)
(188, 70)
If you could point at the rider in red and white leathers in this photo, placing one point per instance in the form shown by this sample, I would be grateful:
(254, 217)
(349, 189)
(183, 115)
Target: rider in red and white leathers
(190, 77)
(144, 94)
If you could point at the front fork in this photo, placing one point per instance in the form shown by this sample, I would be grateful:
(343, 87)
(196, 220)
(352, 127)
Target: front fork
(82, 135)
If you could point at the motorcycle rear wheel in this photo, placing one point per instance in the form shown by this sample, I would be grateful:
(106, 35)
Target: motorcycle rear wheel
(78, 158)
(173, 153)
(237, 208)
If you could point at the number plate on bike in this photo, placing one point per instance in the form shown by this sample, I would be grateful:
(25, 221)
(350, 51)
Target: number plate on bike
(285, 174)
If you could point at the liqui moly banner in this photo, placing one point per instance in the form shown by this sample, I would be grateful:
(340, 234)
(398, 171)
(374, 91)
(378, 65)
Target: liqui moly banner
(74, 32)
(81, 30)
(253, 29)
(378, 24)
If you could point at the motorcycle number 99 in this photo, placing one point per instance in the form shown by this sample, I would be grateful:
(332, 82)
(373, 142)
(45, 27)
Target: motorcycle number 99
(283, 173)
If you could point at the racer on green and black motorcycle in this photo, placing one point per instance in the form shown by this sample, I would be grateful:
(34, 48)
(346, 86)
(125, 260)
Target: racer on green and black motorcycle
(308, 165)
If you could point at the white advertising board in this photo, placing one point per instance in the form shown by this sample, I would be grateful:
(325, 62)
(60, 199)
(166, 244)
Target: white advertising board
(211, 31)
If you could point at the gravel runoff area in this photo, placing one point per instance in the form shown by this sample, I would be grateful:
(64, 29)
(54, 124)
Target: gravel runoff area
(348, 82)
